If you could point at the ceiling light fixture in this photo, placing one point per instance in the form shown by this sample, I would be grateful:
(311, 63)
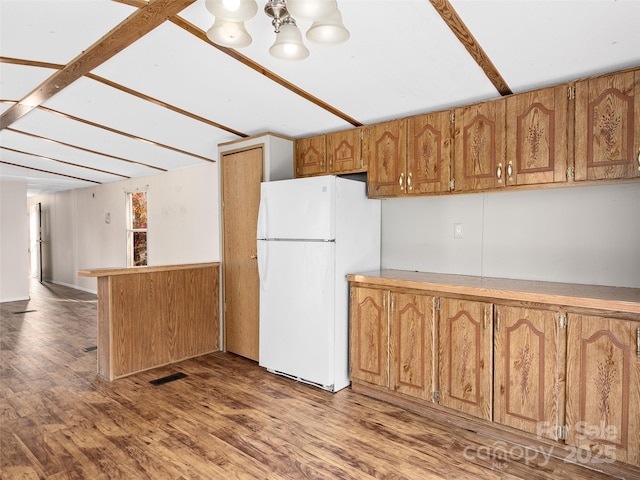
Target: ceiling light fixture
(228, 28)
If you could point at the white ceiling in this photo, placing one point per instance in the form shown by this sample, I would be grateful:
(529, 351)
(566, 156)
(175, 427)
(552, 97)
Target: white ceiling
(167, 100)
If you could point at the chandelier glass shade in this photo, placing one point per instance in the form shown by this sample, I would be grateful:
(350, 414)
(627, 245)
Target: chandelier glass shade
(228, 29)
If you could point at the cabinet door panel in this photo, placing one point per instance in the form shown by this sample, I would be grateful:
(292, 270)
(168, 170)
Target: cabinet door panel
(345, 151)
(607, 127)
(429, 153)
(369, 339)
(465, 352)
(310, 156)
(386, 147)
(537, 137)
(526, 370)
(411, 345)
(479, 146)
(603, 387)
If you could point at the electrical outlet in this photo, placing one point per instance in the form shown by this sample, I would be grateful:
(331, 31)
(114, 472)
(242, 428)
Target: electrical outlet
(457, 230)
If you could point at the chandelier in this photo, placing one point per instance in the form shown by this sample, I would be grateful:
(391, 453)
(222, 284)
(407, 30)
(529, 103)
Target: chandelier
(228, 29)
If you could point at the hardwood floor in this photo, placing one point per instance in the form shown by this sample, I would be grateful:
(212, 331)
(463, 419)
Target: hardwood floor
(228, 418)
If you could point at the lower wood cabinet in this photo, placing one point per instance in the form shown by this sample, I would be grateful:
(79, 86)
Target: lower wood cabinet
(465, 340)
(603, 386)
(563, 374)
(527, 370)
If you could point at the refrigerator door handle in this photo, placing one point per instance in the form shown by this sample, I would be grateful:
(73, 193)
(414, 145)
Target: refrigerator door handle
(262, 214)
(262, 263)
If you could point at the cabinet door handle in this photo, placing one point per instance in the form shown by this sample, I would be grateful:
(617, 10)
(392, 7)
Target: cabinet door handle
(638, 342)
(384, 302)
(485, 317)
(409, 186)
(401, 181)
(393, 303)
(498, 321)
(638, 158)
(510, 170)
(499, 173)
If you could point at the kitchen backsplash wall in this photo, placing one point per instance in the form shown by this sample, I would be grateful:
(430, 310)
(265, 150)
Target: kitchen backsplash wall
(582, 234)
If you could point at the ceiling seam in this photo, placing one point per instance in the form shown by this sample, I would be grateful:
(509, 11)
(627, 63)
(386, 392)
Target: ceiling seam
(51, 173)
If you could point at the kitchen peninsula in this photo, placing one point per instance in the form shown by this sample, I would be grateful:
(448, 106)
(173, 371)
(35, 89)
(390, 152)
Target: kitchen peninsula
(155, 315)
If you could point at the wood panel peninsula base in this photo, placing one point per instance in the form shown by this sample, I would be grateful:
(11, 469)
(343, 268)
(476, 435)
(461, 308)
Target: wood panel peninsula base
(551, 368)
(154, 316)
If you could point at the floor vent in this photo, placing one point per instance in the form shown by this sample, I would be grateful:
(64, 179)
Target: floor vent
(169, 378)
(90, 349)
(24, 311)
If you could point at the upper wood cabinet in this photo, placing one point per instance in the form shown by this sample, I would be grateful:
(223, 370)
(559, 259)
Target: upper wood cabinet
(428, 153)
(536, 143)
(479, 147)
(465, 354)
(607, 126)
(603, 386)
(345, 152)
(527, 368)
(385, 147)
(310, 156)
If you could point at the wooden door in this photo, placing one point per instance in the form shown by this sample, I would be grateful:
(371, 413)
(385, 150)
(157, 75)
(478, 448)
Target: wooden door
(385, 146)
(369, 336)
(429, 153)
(527, 370)
(465, 356)
(345, 151)
(411, 345)
(603, 387)
(537, 131)
(241, 174)
(607, 127)
(310, 156)
(479, 146)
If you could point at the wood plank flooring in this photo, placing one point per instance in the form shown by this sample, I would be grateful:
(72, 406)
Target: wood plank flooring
(228, 419)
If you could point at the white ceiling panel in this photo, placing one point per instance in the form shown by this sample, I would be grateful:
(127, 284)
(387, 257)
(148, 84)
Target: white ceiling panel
(15, 140)
(68, 131)
(99, 103)
(48, 165)
(16, 81)
(55, 31)
(539, 43)
(173, 66)
(40, 183)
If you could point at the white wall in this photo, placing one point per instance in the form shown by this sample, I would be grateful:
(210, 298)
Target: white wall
(182, 220)
(583, 234)
(14, 242)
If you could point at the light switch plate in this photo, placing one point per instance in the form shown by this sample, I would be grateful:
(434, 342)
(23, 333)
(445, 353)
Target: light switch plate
(457, 230)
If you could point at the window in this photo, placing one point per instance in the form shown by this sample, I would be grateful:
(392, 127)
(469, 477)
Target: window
(136, 229)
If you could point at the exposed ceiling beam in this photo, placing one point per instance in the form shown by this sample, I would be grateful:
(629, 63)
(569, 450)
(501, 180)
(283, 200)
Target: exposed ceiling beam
(50, 173)
(457, 26)
(141, 22)
(21, 152)
(121, 159)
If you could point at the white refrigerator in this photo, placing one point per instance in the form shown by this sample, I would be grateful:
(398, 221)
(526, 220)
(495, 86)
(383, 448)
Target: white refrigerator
(312, 232)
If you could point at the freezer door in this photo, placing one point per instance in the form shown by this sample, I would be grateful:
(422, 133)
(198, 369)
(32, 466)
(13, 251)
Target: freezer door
(302, 208)
(297, 309)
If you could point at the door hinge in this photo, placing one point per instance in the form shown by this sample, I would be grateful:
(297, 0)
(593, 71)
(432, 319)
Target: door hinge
(571, 174)
(562, 432)
(436, 396)
(436, 303)
(452, 184)
(562, 321)
(452, 117)
(351, 292)
(571, 92)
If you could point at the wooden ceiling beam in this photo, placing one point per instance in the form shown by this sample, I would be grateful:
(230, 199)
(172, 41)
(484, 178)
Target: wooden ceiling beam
(127, 32)
(460, 30)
